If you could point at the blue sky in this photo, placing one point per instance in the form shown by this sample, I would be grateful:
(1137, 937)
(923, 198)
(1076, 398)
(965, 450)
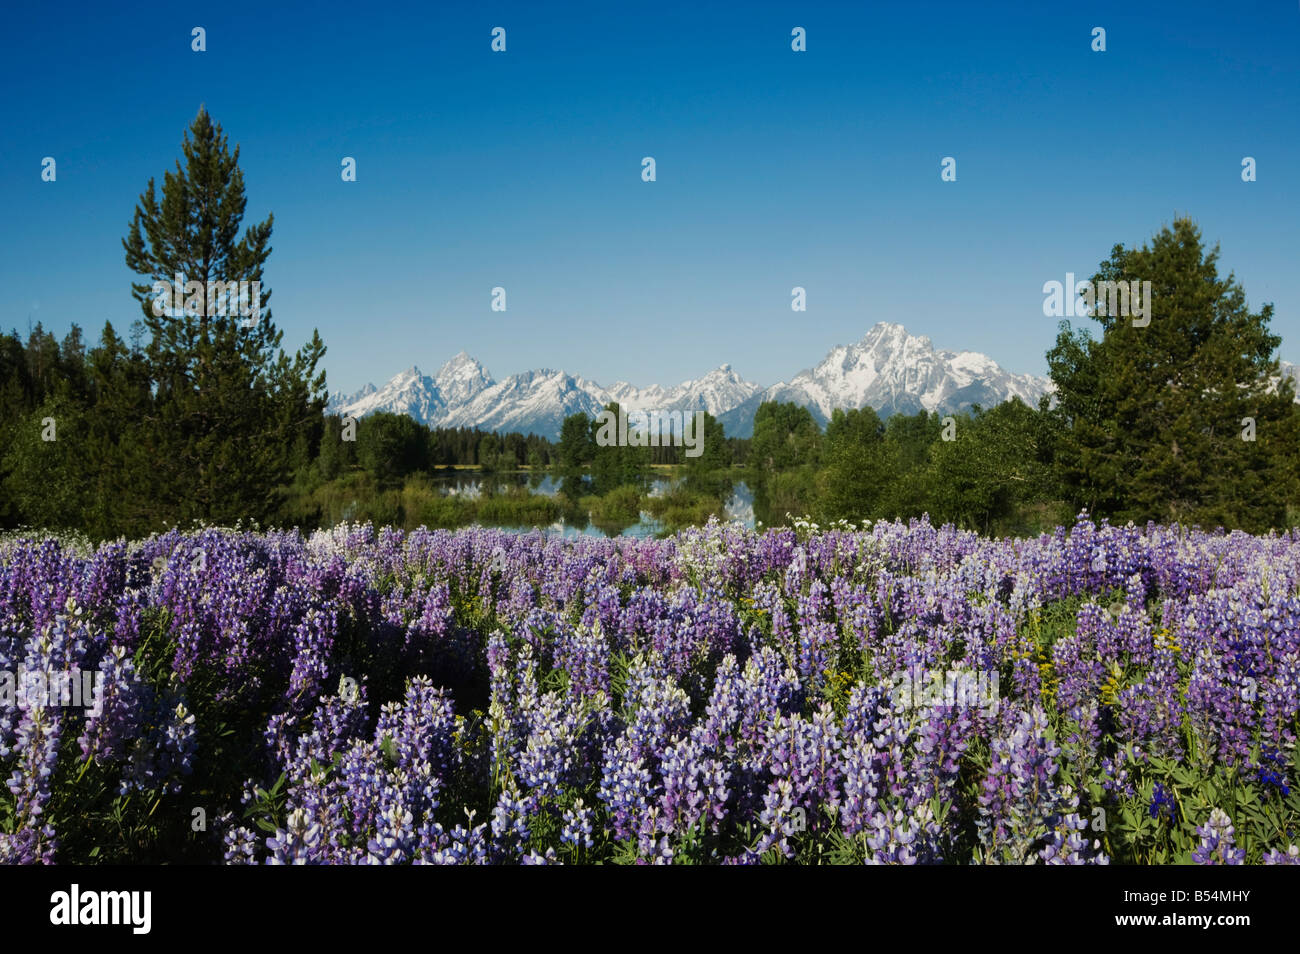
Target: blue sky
(774, 169)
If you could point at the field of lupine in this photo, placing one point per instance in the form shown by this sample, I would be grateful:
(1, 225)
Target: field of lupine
(724, 696)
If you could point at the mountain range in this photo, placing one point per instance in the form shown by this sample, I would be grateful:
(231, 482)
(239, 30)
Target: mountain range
(889, 370)
(895, 373)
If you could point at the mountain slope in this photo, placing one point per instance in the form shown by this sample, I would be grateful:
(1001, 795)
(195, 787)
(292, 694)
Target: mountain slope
(890, 370)
(894, 373)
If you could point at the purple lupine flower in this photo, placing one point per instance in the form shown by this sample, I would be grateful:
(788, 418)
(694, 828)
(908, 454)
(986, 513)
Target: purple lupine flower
(294, 844)
(1289, 857)
(577, 829)
(115, 722)
(1217, 845)
(1019, 795)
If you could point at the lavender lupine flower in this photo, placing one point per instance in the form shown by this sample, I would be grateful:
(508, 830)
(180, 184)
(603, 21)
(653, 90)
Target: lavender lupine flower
(1217, 845)
(395, 840)
(465, 846)
(805, 751)
(1271, 771)
(10, 713)
(510, 831)
(313, 640)
(38, 746)
(903, 840)
(29, 846)
(1289, 857)
(114, 723)
(691, 632)
(781, 818)
(1078, 665)
(1116, 770)
(498, 663)
(768, 689)
(278, 736)
(551, 757)
(1019, 796)
(578, 826)
(584, 654)
(1067, 843)
(940, 744)
(862, 785)
(294, 844)
(1163, 804)
(1150, 711)
(631, 783)
(714, 730)
(661, 710)
(694, 788)
(1279, 696)
(240, 846)
(626, 788)
(422, 728)
(817, 636)
(58, 647)
(533, 858)
(165, 752)
(856, 611)
(336, 721)
(1221, 706)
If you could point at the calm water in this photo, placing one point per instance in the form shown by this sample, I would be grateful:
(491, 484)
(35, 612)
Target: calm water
(473, 484)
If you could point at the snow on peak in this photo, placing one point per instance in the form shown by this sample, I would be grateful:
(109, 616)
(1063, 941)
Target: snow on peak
(895, 373)
(462, 379)
(888, 369)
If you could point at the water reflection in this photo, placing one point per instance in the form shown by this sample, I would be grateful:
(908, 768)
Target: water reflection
(571, 487)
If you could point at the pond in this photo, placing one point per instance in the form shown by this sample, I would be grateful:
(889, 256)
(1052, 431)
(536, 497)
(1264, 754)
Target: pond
(473, 484)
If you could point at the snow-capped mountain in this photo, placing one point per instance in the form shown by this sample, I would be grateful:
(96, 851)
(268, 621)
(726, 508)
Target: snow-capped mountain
(427, 399)
(462, 379)
(463, 394)
(535, 402)
(339, 399)
(717, 392)
(895, 373)
(411, 392)
(890, 370)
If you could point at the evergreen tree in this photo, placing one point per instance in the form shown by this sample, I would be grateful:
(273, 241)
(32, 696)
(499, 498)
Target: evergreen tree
(785, 435)
(984, 477)
(1150, 420)
(233, 415)
(391, 446)
(860, 466)
(491, 454)
(120, 382)
(43, 478)
(909, 442)
(715, 452)
(576, 443)
(614, 465)
(337, 456)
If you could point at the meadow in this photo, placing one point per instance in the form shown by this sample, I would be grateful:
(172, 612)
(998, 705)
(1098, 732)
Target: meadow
(720, 696)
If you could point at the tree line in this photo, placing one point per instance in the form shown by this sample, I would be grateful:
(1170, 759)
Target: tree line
(1187, 418)
(202, 416)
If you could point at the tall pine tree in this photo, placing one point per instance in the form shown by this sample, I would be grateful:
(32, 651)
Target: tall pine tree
(1157, 422)
(232, 414)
